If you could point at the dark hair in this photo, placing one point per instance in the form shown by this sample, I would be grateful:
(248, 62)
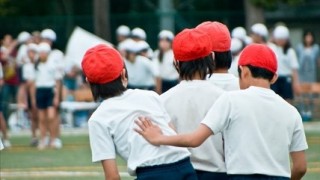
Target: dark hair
(286, 47)
(258, 72)
(188, 69)
(107, 90)
(161, 52)
(222, 60)
(308, 32)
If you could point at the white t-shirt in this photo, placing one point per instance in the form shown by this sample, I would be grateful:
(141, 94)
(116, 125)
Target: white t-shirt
(225, 81)
(260, 130)
(286, 62)
(187, 104)
(234, 66)
(1, 71)
(111, 130)
(22, 55)
(46, 75)
(166, 67)
(141, 72)
(56, 56)
(28, 71)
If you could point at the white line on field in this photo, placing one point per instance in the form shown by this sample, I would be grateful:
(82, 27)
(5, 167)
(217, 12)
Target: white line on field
(55, 174)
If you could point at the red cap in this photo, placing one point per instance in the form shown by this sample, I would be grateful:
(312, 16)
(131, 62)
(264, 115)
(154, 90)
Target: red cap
(259, 55)
(191, 44)
(102, 64)
(219, 34)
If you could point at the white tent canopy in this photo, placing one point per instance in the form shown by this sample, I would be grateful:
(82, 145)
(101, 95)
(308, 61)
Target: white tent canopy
(79, 42)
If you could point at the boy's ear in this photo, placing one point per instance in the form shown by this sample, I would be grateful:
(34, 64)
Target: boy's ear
(274, 79)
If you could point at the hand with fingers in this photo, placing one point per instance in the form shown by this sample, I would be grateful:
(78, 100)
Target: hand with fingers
(152, 133)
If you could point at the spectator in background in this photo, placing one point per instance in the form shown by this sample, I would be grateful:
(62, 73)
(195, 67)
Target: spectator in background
(288, 81)
(46, 92)
(138, 34)
(10, 73)
(241, 34)
(308, 53)
(141, 70)
(122, 32)
(309, 61)
(28, 75)
(3, 125)
(259, 33)
(36, 37)
(57, 58)
(164, 59)
(236, 48)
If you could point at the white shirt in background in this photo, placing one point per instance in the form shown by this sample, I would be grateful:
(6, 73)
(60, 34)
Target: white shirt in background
(141, 72)
(56, 56)
(1, 71)
(111, 130)
(234, 66)
(166, 68)
(28, 71)
(46, 75)
(286, 62)
(22, 55)
(187, 104)
(260, 130)
(225, 81)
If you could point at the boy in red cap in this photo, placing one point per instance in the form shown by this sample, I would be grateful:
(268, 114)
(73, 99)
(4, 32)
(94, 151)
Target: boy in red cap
(188, 102)
(221, 43)
(260, 128)
(111, 125)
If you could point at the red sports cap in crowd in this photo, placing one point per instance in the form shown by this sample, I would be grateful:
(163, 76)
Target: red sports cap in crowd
(102, 64)
(219, 34)
(259, 55)
(191, 44)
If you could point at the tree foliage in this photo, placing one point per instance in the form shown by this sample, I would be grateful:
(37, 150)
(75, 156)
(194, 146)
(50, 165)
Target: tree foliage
(269, 4)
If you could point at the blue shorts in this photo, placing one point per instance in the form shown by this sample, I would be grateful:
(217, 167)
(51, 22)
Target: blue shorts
(283, 87)
(44, 97)
(256, 177)
(204, 175)
(181, 170)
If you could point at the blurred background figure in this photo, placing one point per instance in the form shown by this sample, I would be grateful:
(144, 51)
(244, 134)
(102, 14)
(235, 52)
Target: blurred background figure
(36, 37)
(236, 48)
(122, 33)
(138, 34)
(241, 34)
(164, 58)
(309, 61)
(56, 57)
(141, 70)
(28, 75)
(3, 126)
(259, 33)
(288, 81)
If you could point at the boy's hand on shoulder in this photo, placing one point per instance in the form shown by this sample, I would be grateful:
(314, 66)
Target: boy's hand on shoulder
(152, 133)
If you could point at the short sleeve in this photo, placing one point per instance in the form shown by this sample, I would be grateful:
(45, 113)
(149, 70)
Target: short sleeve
(293, 59)
(101, 142)
(28, 72)
(298, 142)
(218, 116)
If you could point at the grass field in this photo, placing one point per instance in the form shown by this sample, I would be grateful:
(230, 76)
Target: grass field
(74, 160)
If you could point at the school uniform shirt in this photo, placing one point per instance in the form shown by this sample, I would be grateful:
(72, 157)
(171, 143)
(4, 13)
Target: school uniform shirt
(22, 55)
(166, 68)
(234, 66)
(56, 56)
(111, 130)
(260, 130)
(1, 71)
(286, 62)
(141, 72)
(187, 104)
(225, 81)
(46, 75)
(28, 71)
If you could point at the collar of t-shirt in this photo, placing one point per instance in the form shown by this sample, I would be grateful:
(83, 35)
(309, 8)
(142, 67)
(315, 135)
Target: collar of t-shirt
(222, 76)
(260, 90)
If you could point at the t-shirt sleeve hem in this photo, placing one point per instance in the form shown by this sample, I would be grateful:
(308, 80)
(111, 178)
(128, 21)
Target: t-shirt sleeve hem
(302, 148)
(102, 157)
(214, 130)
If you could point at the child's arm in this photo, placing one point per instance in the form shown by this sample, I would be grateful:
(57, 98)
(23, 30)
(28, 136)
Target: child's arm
(110, 169)
(299, 165)
(153, 134)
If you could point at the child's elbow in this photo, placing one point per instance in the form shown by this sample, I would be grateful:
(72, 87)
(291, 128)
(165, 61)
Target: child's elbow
(194, 143)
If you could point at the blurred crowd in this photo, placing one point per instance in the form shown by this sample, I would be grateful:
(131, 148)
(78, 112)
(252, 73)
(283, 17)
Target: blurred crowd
(35, 77)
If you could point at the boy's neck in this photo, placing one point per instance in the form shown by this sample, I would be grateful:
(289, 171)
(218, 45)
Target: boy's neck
(258, 82)
(220, 71)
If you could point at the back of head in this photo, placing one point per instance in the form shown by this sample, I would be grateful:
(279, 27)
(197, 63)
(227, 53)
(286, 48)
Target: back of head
(123, 30)
(192, 52)
(260, 59)
(23, 37)
(102, 65)
(166, 34)
(138, 33)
